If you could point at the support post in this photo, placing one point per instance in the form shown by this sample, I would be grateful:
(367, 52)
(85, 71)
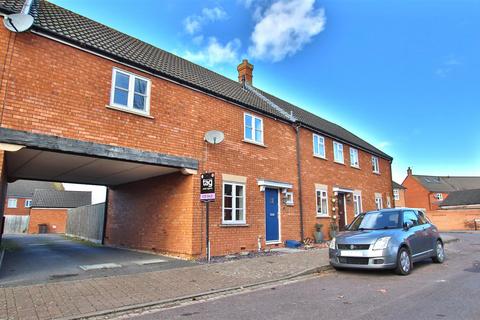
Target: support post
(207, 220)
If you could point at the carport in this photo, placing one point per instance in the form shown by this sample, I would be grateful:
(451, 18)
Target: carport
(43, 157)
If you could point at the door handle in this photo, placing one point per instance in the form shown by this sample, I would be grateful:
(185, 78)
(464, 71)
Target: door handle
(272, 214)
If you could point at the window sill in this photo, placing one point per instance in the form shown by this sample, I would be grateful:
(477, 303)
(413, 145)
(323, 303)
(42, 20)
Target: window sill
(356, 167)
(322, 216)
(254, 143)
(338, 162)
(233, 225)
(320, 157)
(137, 113)
(377, 173)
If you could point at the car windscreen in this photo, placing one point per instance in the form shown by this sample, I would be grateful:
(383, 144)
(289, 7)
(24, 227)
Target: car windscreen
(377, 220)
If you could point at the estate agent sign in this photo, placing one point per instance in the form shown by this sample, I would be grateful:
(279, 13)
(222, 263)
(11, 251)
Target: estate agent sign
(207, 187)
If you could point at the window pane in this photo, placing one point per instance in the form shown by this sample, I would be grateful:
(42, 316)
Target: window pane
(139, 102)
(140, 86)
(227, 202)
(258, 135)
(227, 214)
(121, 97)
(121, 80)
(238, 202)
(324, 206)
(239, 191)
(227, 189)
(239, 214)
(315, 145)
(248, 133)
(248, 121)
(258, 124)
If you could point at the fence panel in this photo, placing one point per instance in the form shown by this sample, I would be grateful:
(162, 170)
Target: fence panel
(16, 224)
(86, 222)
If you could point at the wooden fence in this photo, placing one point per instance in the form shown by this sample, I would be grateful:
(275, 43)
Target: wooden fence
(16, 224)
(86, 222)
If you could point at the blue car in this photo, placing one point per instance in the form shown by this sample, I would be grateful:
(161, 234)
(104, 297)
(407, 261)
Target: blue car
(387, 239)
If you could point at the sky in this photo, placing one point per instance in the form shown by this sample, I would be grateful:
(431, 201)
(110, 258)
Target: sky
(402, 74)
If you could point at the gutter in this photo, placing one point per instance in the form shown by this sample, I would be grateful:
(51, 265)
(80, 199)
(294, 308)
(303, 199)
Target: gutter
(297, 127)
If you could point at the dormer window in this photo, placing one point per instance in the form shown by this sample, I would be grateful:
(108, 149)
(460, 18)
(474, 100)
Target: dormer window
(130, 92)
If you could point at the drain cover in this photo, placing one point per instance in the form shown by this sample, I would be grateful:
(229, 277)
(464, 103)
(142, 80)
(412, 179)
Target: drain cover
(475, 267)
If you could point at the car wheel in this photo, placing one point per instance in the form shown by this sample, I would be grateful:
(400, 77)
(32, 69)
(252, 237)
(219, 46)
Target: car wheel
(404, 262)
(439, 252)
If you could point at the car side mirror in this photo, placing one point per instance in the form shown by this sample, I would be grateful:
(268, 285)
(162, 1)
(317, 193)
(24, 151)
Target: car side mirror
(407, 225)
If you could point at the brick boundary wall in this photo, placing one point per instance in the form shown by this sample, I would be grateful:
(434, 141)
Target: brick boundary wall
(452, 220)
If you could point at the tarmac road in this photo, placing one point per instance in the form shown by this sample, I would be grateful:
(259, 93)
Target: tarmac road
(447, 291)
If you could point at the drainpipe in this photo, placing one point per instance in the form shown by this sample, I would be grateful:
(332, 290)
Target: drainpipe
(299, 173)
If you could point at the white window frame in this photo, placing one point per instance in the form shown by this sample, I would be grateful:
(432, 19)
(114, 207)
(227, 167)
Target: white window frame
(357, 197)
(254, 128)
(28, 203)
(378, 202)
(234, 209)
(396, 194)
(375, 165)
(320, 144)
(340, 149)
(352, 163)
(12, 203)
(323, 195)
(131, 92)
(389, 202)
(439, 196)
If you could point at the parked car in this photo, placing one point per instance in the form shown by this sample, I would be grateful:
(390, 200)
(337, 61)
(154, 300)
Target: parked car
(387, 239)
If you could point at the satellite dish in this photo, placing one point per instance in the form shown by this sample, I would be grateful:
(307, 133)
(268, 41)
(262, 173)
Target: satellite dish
(18, 22)
(214, 137)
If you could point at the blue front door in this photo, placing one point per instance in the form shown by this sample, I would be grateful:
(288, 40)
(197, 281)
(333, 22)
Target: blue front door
(271, 215)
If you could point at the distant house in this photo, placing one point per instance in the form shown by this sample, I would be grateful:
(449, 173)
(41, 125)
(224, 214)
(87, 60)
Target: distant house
(20, 195)
(451, 202)
(49, 209)
(398, 195)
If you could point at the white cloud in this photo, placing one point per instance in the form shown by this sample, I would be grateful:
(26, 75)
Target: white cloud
(194, 23)
(449, 64)
(384, 144)
(216, 53)
(284, 28)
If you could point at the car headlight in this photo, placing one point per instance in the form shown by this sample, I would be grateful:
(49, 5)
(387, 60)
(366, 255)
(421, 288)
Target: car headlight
(381, 243)
(333, 243)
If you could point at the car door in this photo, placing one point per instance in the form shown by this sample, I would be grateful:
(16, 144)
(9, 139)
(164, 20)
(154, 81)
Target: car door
(415, 236)
(428, 232)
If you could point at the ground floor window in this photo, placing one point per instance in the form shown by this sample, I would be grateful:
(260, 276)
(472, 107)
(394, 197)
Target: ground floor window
(322, 203)
(378, 202)
(357, 204)
(233, 203)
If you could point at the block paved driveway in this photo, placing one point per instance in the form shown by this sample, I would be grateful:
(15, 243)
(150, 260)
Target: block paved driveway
(33, 259)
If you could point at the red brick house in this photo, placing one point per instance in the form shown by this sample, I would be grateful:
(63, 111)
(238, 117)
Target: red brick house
(88, 104)
(398, 195)
(447, 199)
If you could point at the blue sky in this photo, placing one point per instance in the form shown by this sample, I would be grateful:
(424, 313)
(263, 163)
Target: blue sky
(402, 74)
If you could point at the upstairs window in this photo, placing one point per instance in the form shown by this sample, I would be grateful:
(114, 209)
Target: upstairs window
(439, 196)
(318, 146)
(28, 203)
(12, 203)
(337, 152)
(354, 158)
(396, 194)
(130, 91)
(253, 129)
(375, 166)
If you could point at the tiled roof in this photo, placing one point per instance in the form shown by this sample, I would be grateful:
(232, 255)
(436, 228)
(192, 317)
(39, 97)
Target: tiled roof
(397, 185)
(462, 198)
(26, 188)
(81, 31)
(61, 199)
(448, 184)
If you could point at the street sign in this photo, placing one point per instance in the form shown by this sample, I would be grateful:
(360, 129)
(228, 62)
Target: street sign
(207, 187)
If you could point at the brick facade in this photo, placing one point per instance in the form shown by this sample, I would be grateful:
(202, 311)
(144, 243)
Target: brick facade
(55, 89)
(55, 219)
(20, 210)
(401, 199)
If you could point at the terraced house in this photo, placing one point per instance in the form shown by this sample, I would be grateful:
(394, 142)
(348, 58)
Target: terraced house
(84, 103)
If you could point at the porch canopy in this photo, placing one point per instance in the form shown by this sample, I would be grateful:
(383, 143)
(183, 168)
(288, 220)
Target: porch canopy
(44, 157)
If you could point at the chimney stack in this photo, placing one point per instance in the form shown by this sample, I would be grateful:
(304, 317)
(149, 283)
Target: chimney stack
(409, 171)
(245, 72)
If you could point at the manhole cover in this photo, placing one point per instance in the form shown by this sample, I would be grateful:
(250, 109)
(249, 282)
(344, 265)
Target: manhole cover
(475, 267)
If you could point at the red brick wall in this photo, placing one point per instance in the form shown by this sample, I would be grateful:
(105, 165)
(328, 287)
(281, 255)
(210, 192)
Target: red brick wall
(332, 174)
(19, 210)
(55, 219)
(455, 219)
(51, 90)
(416, 196)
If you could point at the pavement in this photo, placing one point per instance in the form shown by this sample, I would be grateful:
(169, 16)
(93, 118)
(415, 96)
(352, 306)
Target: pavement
(433, 291)
(117, 294)
(32, 259)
